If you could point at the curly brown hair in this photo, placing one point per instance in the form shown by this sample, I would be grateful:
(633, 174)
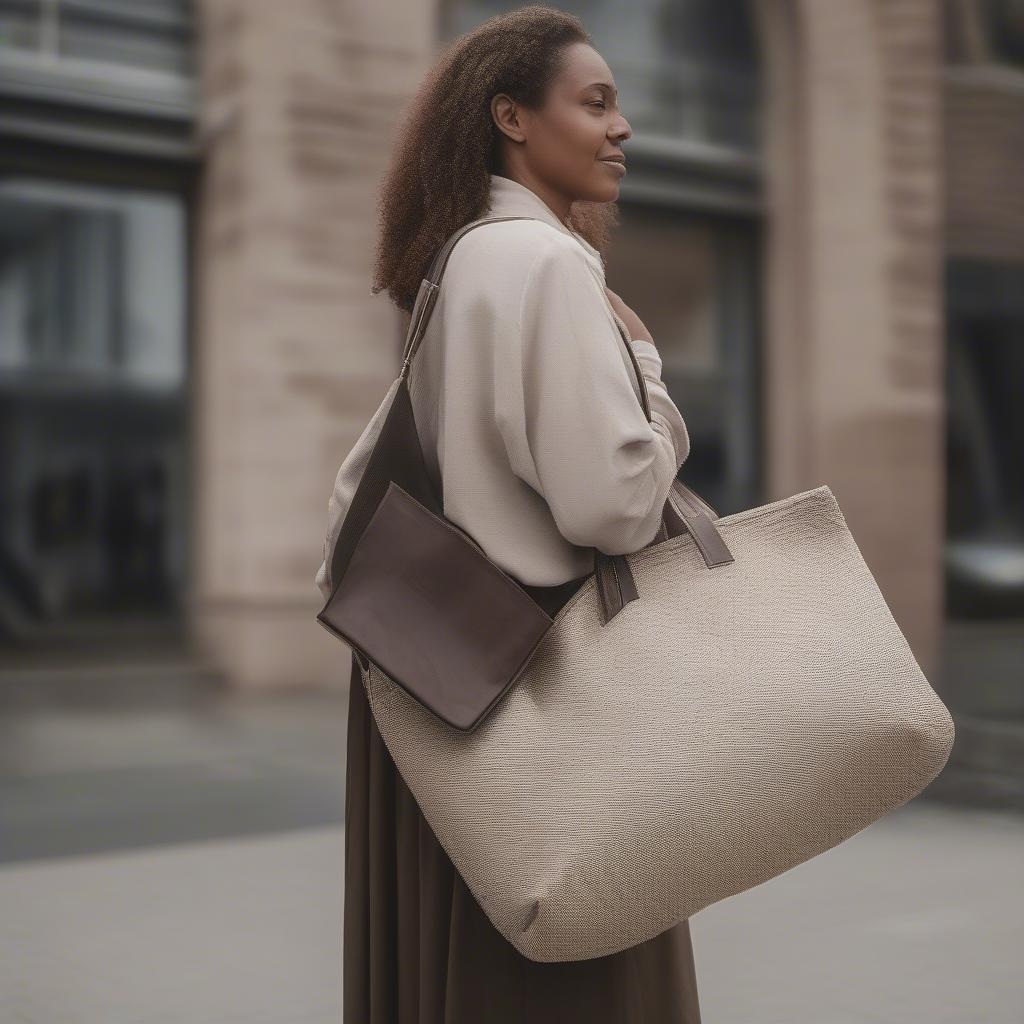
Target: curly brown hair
(448, 145)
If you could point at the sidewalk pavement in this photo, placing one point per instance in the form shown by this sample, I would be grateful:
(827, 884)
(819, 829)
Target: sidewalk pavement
(920, 918)
(176, 856)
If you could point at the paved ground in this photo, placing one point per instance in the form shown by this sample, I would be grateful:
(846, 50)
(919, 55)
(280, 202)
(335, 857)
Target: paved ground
(243, 931)
(179, 859)
(129, 759)
(919, 918)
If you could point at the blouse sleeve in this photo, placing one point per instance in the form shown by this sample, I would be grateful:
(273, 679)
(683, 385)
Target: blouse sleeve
(570, 419)
(663, 408)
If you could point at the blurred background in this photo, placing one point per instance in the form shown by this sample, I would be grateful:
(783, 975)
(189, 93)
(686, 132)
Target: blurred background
(823, 226)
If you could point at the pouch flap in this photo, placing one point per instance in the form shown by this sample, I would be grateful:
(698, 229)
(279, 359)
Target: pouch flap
(422, 601)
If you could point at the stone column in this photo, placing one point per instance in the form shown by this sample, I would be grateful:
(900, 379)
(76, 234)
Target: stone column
(855, 337)
(291, 352)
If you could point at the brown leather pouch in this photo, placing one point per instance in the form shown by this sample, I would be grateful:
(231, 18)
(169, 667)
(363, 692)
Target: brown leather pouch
(421, 601)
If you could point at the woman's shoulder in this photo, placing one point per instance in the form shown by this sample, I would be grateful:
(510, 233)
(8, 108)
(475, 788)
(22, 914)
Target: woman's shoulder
(504, 252)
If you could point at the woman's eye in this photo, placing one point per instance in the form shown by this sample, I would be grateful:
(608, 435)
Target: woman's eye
(598, 103)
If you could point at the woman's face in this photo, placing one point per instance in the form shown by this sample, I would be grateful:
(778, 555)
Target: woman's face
(563, 149)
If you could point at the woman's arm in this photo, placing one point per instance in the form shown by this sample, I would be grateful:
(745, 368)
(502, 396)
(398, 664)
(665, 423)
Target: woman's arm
(649, 359)
(569, 416)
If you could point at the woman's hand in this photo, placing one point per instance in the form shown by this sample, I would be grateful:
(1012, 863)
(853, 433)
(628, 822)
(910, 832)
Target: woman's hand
(634, 325)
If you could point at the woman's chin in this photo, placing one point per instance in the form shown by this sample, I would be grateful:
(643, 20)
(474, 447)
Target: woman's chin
(606, 191)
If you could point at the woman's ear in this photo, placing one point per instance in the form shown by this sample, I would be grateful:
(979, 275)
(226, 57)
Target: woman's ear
(506, 116)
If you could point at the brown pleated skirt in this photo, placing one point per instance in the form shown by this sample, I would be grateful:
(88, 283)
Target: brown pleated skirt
(418, 949)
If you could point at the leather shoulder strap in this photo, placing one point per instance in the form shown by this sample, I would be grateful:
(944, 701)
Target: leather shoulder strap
(430, 285)
(614, 578)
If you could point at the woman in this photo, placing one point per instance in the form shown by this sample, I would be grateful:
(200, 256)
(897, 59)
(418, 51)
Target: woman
(527, 410)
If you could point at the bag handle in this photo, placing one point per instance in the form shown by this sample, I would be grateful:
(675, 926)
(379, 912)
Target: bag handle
(614, 578)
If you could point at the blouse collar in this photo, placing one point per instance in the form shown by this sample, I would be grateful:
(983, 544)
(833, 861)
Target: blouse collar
(510, 198)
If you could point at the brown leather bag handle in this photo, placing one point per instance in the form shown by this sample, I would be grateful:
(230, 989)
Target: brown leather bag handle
(613, 576)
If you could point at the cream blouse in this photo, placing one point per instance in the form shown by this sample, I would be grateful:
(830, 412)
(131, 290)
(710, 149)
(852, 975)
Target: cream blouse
(526, 403)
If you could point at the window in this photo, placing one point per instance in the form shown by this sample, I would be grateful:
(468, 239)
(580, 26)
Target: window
(984, 32)
(685, 70)
(985, 438)
(93, 368)
(155, 35)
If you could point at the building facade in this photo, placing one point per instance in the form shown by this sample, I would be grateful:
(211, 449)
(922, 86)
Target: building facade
(820, 224)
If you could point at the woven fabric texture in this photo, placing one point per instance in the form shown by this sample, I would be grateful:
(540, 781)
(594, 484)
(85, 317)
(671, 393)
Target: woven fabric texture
(774, 709)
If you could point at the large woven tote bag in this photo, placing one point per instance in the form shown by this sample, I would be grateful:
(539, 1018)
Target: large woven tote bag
(738, 716)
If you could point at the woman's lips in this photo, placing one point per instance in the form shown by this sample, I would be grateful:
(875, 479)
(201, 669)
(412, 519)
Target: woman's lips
(617, 165)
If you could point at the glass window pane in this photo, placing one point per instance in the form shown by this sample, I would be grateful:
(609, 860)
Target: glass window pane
(1005, 22)
(684, 68)
(93, 396)
(985, 438)
(92, 282)
(155, 35)
(691, 279)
